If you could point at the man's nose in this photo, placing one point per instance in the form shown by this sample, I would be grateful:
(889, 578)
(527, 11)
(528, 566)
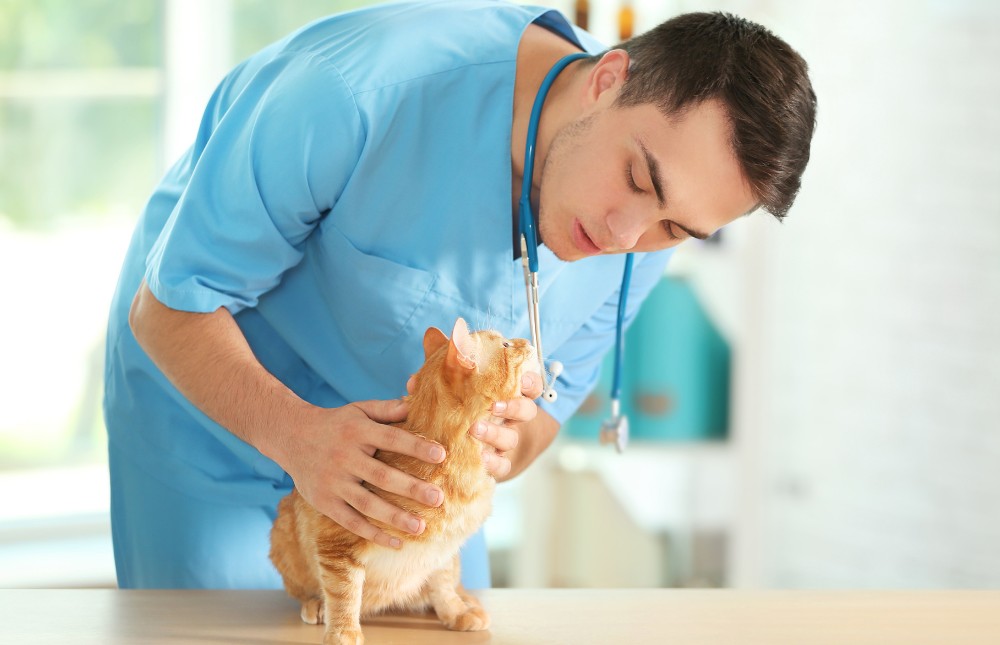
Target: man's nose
(626, 229)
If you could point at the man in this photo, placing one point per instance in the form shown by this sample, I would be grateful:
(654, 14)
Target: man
(356, 183)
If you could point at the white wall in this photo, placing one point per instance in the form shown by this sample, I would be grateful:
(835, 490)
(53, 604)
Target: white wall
(870, 379)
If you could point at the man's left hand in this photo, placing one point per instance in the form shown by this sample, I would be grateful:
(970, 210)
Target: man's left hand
(504, 437)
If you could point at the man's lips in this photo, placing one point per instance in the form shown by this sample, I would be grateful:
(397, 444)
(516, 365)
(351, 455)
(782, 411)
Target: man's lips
(583, 241)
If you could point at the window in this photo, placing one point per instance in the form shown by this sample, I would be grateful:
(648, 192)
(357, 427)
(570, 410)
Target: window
(80, 96)
(97, 98)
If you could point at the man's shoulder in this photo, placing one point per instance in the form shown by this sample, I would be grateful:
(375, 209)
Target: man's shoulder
(397, 42)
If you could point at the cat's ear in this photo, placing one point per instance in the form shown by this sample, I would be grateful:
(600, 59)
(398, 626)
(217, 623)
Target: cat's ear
(434, 339)
(461, 351)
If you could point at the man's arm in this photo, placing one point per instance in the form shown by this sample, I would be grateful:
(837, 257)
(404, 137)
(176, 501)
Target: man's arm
(328, 452)
(207, 358)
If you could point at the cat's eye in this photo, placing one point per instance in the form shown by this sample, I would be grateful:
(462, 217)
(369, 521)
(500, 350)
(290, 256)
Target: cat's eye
(506, 344)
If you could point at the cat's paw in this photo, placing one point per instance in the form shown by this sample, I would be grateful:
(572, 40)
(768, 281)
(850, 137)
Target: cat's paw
(343, 637)
(312, 611)
(473, 619)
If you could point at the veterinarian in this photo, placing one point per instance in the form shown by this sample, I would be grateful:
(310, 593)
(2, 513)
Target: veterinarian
(352, 185)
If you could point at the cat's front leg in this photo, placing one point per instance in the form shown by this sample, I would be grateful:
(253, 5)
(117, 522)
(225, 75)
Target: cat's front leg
(454, 606)
(343, 581)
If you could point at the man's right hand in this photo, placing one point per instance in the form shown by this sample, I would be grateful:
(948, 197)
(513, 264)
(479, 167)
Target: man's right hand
(328, 452)
(329, 457)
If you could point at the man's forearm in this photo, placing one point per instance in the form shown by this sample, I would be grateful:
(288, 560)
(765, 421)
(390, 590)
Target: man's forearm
(208, 359)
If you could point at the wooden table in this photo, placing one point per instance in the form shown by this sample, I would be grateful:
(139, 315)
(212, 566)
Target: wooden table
(520, 617)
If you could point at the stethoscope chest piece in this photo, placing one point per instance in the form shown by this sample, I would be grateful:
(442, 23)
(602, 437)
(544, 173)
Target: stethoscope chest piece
(615, 429)
(549, 393)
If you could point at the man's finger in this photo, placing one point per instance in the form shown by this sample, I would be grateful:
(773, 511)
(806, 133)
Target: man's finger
(389, 479)
(356, 523)
(384, 411)
(531, 385)
(518, 410)
(393, 439)
(371, 505)
(500, 437)
(496, 465)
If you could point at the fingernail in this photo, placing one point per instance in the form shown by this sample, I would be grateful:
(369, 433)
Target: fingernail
(413, 525)
(395, 543)
(433, 497)
(437, 453)
(527, 380)
(480, 429)
(499, 406)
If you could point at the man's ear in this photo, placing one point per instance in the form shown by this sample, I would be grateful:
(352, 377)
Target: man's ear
(461, 349)
(434, 339)
(607, 75)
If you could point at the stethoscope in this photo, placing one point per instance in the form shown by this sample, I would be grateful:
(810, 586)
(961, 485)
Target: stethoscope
(615, 429)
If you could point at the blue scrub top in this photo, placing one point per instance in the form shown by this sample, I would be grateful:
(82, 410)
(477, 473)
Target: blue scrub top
(348, 188)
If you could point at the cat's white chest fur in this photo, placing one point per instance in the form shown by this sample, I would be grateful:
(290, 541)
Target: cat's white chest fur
(401, 573)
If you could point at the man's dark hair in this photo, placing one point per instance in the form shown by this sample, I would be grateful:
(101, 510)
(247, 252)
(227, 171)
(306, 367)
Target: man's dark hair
(762, 82)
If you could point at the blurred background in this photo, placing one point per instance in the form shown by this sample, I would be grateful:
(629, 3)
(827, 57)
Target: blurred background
(814, 403)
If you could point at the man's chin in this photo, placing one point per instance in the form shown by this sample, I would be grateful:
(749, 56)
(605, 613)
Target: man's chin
(565, 251)
(572, 256)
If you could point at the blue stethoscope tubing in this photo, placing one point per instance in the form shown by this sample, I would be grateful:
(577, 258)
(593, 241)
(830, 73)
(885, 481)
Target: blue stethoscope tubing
(615, 429)
(617, 425)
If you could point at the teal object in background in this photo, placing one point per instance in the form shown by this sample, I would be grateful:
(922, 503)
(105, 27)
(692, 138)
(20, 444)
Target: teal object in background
(680, 368)
(675, 385)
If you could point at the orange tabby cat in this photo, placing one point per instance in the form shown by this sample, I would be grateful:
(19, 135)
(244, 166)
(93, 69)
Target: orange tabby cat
(341, 577)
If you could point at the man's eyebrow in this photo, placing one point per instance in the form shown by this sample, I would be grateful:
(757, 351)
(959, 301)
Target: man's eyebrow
(653, 167)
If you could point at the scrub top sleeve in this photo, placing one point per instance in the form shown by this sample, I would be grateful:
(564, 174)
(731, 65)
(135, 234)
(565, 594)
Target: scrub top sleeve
(584, 352)
(276, 160)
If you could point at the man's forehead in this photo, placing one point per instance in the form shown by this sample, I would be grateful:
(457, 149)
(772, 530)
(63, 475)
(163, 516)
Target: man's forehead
(698, 167)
